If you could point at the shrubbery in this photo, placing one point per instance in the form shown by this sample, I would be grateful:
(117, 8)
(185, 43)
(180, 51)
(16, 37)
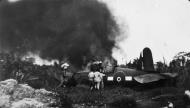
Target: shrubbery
(14, 95)
(123, 102)
(62, 100)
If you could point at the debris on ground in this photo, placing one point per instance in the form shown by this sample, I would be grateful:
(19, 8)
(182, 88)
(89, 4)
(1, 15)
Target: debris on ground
(14, 95)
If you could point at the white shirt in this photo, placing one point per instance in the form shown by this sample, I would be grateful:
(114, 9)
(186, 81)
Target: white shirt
(187, 92)
(91, 76)
(98, 76)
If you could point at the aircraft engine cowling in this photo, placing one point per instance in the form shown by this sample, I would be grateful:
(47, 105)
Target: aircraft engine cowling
(119, 77)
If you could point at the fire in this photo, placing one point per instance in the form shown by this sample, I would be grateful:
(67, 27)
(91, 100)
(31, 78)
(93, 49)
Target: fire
(37, 60)
(12, 1)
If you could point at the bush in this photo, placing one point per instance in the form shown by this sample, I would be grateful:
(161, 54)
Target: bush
(22, 91)
(5, 101)
(24, 96)
(71, 82)
(28, 103)
(63, 101)
(123, 102)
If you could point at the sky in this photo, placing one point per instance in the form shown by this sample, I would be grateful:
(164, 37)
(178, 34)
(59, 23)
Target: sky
(161, 25)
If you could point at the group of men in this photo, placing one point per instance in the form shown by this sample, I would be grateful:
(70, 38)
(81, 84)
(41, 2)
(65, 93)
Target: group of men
(96, 76)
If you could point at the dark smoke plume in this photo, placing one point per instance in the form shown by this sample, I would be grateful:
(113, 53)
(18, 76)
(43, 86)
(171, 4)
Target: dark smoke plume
(58, 28)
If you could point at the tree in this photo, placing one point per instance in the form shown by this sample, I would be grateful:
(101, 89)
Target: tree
(160, 66)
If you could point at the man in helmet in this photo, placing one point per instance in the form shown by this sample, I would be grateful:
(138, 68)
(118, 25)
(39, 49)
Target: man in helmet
(65, 67)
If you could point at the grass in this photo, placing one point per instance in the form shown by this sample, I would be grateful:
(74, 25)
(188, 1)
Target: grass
(117, 97)
(123, 102)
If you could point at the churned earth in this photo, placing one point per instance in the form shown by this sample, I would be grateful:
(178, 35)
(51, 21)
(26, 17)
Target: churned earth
(14, 95)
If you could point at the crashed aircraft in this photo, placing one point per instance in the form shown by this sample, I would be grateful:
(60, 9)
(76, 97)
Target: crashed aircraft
(144, 74)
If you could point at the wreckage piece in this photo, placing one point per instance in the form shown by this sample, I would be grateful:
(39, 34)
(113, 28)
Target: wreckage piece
(147, 78)
(132, 76)
(16, 95)
(171, 75)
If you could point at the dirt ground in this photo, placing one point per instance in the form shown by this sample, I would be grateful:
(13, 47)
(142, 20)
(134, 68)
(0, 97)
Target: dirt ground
(124, 97)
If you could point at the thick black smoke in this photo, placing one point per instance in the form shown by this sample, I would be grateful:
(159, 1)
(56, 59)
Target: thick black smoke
(58, 28)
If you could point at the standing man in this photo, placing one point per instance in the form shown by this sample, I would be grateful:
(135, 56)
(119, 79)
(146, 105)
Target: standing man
(91, 79)
(65, 67)
(98, 78)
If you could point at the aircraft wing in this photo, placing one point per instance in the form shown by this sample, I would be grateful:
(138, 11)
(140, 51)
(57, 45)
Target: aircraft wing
(147, 78)
(171, 75)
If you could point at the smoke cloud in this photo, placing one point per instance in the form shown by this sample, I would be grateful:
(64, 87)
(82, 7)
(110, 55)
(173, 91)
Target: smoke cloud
(57, 29)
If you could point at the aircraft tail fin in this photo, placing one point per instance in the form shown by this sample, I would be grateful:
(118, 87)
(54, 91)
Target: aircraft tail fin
(147, 60)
